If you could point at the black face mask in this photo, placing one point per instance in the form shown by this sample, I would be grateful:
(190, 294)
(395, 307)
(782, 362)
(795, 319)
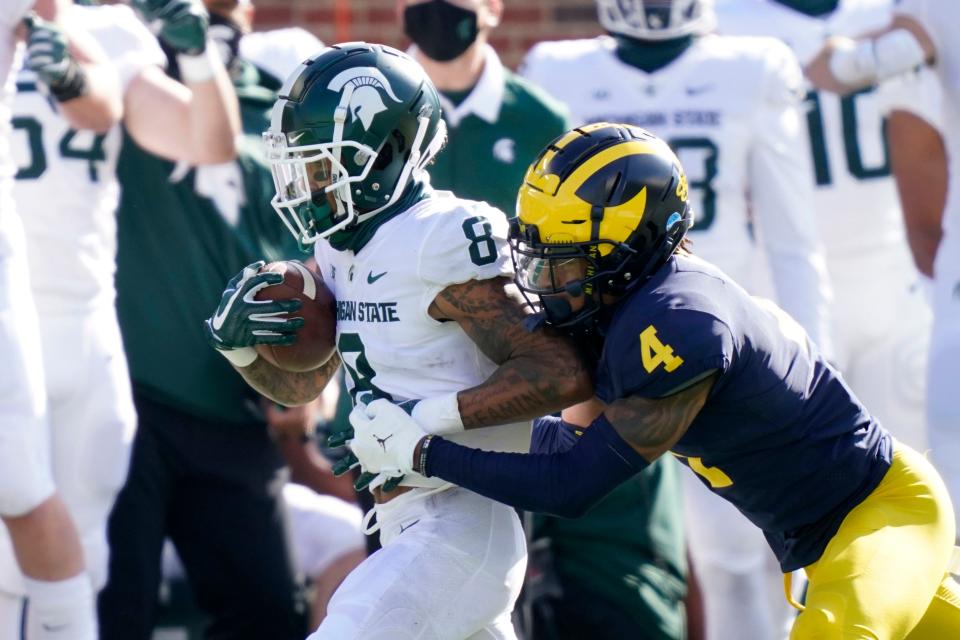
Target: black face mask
(441, 30)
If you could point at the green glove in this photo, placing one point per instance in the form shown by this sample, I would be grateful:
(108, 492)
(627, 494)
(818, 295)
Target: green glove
(49, 57)
(182, 24)
(241, 321)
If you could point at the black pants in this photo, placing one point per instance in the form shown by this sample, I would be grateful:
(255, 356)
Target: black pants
(215, 490)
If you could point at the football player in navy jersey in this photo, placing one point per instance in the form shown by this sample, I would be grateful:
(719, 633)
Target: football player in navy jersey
(689, 364)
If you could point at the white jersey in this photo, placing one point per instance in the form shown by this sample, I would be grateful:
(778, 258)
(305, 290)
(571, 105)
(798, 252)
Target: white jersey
(389, 344)
(66, 188)
(729, 107)
(10, 16)
(855, 195)
(941, 18)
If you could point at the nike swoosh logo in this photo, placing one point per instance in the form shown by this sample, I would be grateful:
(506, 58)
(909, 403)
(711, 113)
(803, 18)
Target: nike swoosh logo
(404, 528)
(221, 316)
(61, 627)
(292, 139)
(695, 91)
(373, 278)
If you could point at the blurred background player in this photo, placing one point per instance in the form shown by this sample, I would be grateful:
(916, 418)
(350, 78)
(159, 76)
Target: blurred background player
(622, 567)
(62, 169)
(928, 176)
(491, 113)
(44, 540)
(730, 109)
(881, 322)
(205, 470)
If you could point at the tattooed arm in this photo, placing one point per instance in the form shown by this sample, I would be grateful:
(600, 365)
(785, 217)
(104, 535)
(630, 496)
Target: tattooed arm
(630, 434)
(651, 427)
(287, 387)
(539, 373)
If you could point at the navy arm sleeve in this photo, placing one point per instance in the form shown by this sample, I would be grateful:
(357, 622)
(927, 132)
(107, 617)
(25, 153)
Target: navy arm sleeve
(564, 483)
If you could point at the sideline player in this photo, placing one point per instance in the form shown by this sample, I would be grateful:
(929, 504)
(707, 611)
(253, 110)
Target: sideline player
(922, 32)
(881, 322)
(424, 308)
(45, 544)
(730, 109)
(693, 366)
(66, 192)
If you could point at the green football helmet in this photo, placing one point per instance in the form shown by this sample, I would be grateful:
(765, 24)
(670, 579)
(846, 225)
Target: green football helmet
(351, 130)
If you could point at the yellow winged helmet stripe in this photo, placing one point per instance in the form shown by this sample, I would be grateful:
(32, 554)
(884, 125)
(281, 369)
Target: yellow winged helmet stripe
(562, 217)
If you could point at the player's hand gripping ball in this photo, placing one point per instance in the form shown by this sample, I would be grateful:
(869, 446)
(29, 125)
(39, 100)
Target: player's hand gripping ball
(316, 340)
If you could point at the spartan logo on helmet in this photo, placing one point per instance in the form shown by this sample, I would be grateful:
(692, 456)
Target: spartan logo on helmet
(362, 87)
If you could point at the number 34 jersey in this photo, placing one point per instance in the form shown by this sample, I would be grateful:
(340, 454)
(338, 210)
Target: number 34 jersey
(730, 109)
(66, 188)
(389, 344)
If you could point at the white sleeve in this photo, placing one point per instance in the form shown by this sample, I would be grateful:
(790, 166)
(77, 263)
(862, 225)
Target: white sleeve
(280, 51)
(467, 243)
(128, 43)
(782, 195)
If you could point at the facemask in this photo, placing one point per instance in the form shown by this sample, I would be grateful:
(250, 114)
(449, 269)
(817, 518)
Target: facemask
(441, 30)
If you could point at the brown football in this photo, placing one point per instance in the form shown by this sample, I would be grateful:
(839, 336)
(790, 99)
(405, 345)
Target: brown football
(316, 341)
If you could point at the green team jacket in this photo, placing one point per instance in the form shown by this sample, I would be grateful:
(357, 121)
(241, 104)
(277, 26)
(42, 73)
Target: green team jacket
(176, 252)
(494, 134)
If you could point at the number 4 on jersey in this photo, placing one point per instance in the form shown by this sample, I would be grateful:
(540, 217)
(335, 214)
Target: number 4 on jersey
(654, 353)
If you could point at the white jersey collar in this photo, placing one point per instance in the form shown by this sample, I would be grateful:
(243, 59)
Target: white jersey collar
(486, 99)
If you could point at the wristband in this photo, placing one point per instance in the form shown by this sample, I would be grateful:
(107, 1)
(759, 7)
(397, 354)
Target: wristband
(242, 357)
(438, 415)
(422, 462)
(198, 68)
(72, 85)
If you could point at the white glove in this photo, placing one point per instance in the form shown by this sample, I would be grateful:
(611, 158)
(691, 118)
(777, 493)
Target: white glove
(385, 438)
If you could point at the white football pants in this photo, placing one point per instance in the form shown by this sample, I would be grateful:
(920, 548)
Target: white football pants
(881, 327)
(92, 423)
(451, 568)
(740, 580)
(25, 478)
(943, 396)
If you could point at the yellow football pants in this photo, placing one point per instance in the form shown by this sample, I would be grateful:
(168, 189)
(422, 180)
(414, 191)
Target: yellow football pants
(883, 575)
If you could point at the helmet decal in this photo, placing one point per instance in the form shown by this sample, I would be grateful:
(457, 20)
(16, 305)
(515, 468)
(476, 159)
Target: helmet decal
(365, 85)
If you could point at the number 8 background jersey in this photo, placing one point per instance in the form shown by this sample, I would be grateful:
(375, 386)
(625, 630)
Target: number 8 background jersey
(729, 108)
(66, 187)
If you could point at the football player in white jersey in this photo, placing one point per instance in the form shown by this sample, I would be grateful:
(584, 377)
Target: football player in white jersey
(922, 32)
(44, 540)
(424, 310)
(730, 108)
(881, 317)
(66, 193)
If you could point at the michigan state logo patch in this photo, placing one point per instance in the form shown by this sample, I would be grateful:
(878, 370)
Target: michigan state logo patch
(362, 93)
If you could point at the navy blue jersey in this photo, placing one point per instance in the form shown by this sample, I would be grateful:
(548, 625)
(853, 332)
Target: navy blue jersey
(781, 436)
